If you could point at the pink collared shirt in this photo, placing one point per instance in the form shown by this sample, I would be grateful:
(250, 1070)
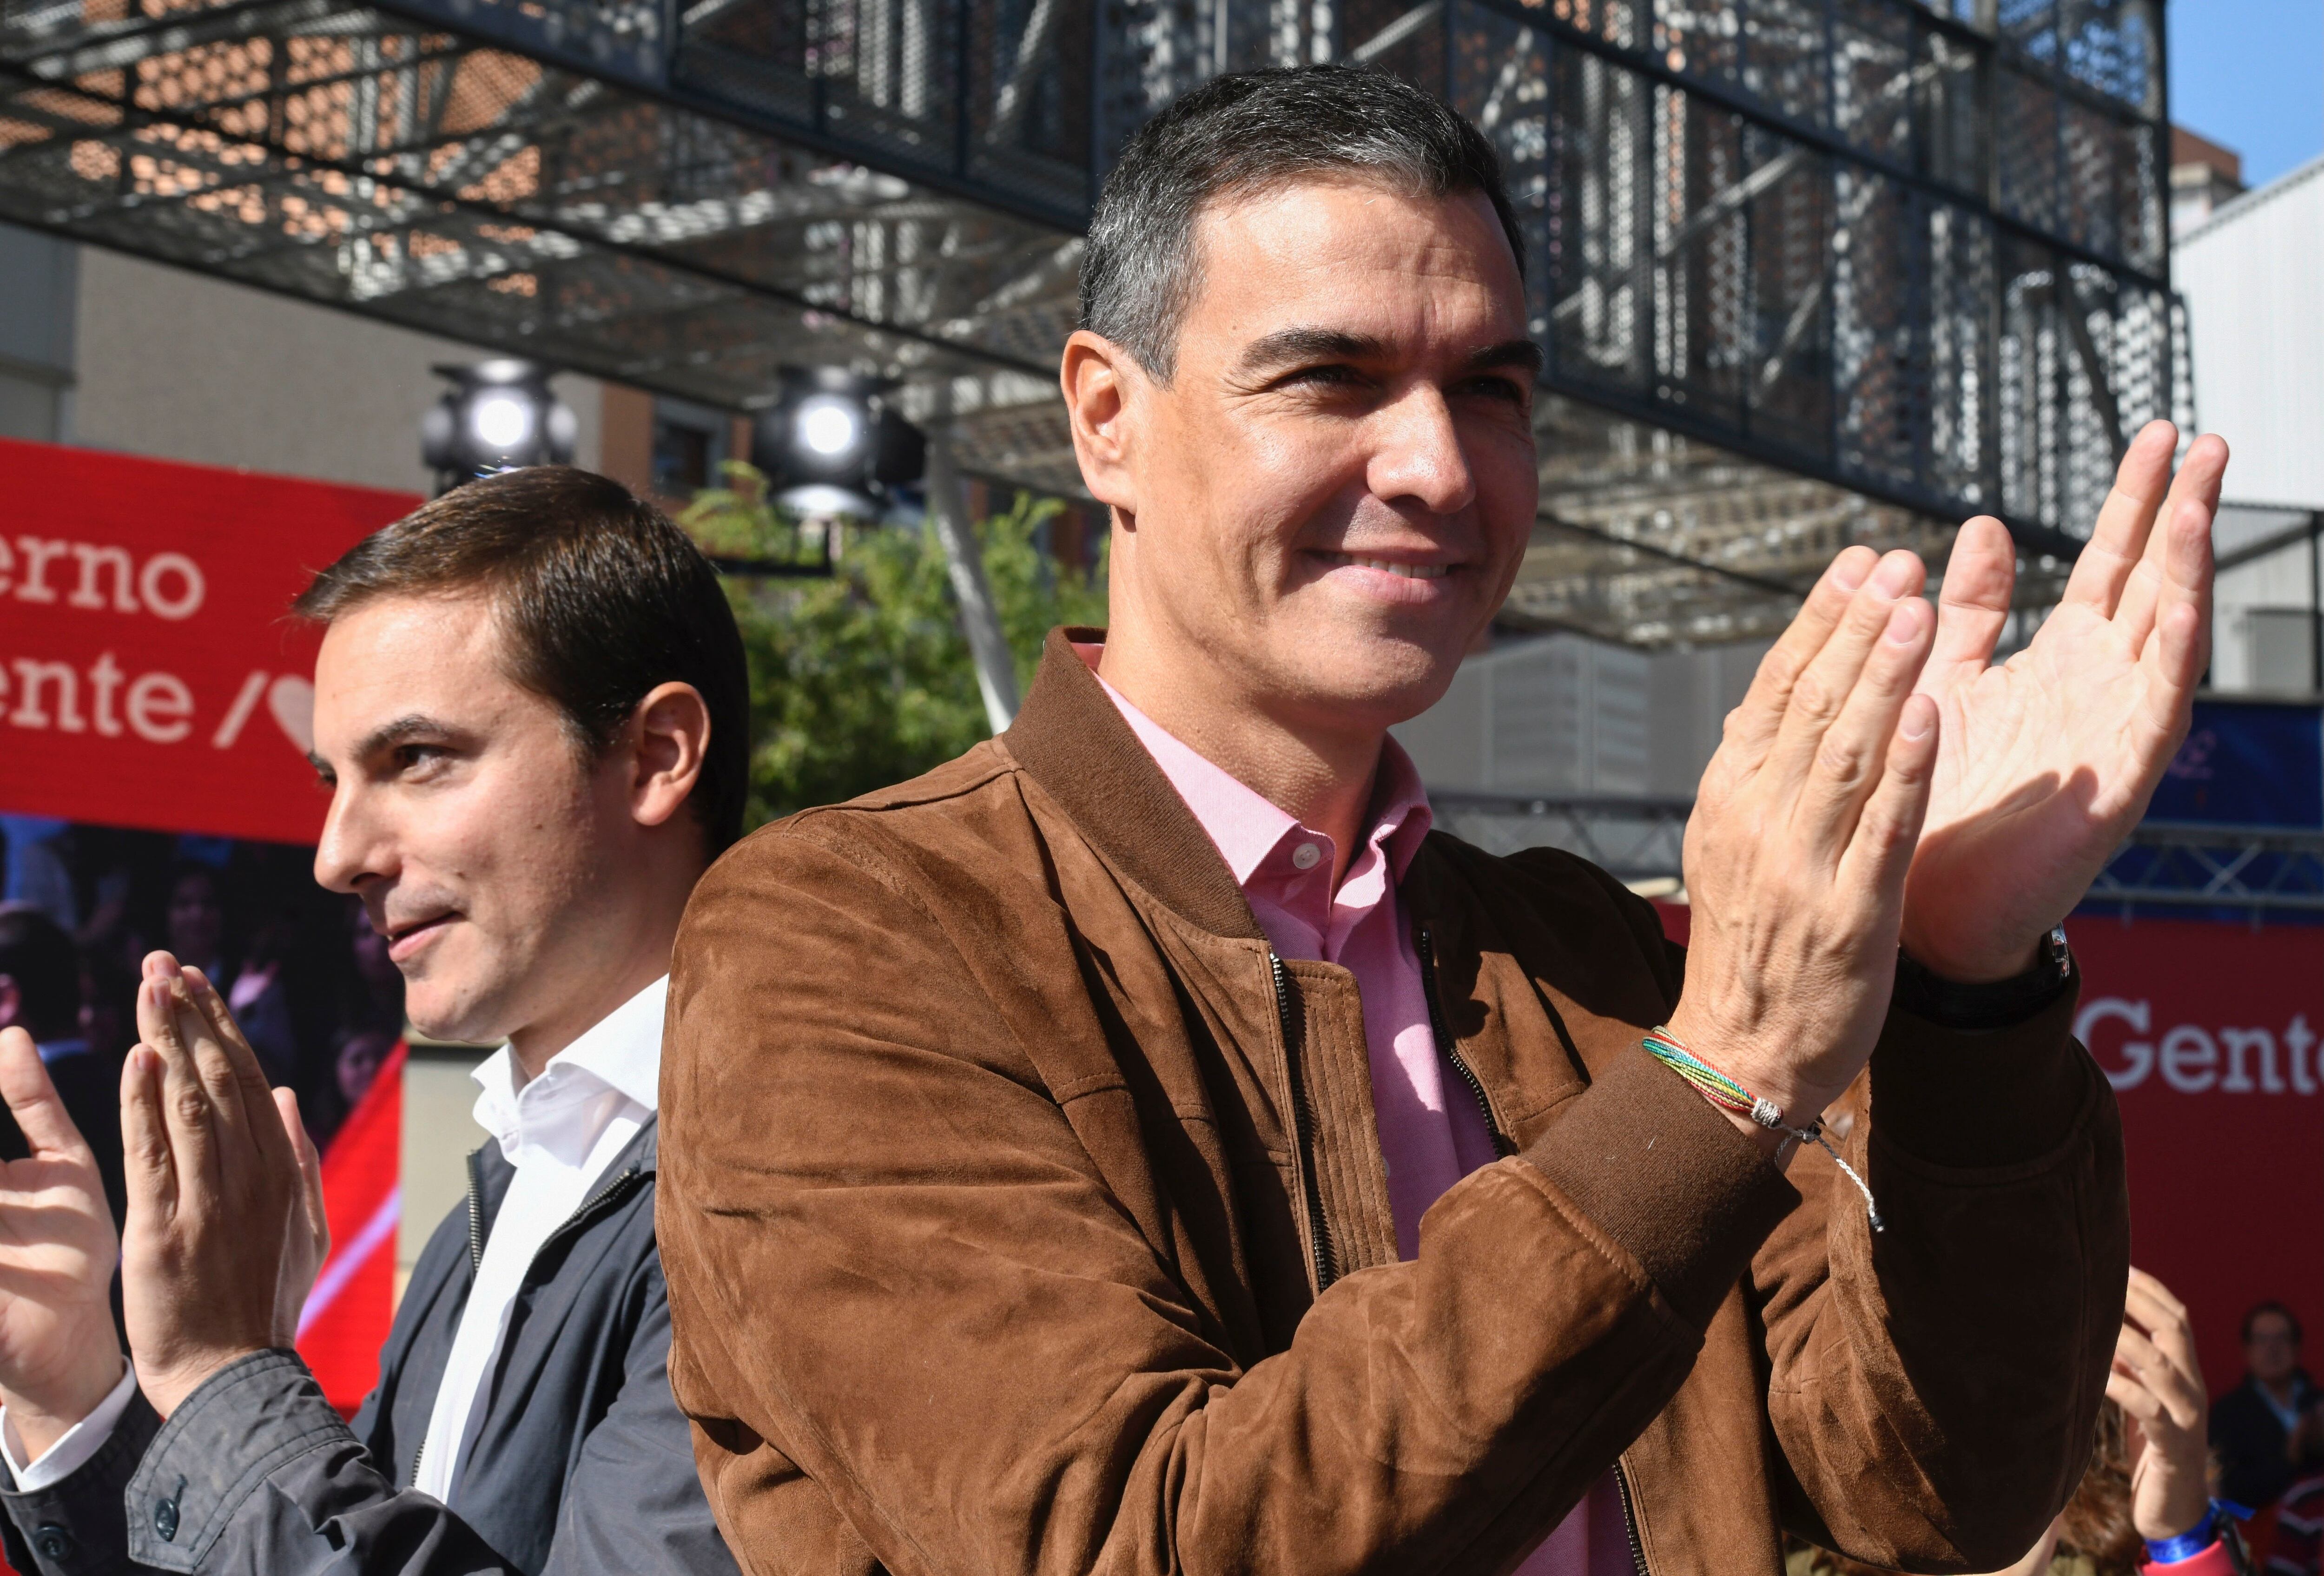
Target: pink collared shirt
(1432, 1132)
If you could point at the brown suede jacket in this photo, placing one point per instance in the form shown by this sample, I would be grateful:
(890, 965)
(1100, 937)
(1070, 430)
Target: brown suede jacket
(1021, 1213)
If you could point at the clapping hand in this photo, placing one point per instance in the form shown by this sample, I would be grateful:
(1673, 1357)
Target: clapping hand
(225, 1228)
(1802, 831)
(2046, 760)
(58, 1354)
(2158, 1384)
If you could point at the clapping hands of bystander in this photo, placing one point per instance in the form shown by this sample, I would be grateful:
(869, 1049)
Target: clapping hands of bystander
(227, 1229)
(2158, 1382)
(59, 1358)
(214, 1157)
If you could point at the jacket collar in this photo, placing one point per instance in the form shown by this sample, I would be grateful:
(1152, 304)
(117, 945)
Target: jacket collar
(495, 1171)
(1072, 740)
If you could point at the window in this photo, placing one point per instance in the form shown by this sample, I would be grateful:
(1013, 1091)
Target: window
(689, 444)
(2283, 647)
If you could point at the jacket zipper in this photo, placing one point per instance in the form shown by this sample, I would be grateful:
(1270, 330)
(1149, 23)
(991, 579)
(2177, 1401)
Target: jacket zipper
(1631, 1519)
(614, 1189)
(1450, 1049)
(475, 1260)
(1302, 1123)
(475, 1209)
(603, 1198)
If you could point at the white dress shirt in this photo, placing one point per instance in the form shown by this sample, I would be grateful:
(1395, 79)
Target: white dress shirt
(74, 1446)
(561, 1130)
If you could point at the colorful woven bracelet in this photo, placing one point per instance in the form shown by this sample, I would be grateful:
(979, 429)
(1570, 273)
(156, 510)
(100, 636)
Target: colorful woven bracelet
(1724, 1093)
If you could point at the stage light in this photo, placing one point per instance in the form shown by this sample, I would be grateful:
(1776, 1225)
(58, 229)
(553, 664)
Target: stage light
(498, 414)
(833, 444)
(500, 423)
(829, 427)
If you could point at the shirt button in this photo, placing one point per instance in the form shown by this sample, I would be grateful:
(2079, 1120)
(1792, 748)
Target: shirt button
(53, 1542)
(1307, 856)
(165, 1519)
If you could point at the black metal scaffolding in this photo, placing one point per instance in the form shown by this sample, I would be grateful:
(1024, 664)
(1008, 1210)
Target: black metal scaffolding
(1807, 271)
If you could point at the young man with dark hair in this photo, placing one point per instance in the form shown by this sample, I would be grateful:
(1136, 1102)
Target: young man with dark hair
(1143, 1144)
(531, 710)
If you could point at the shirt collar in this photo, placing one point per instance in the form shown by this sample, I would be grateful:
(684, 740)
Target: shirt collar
(1248, 827)
(621, 1053)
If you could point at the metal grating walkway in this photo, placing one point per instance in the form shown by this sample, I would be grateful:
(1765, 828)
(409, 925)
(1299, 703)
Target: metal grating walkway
(1808, 271)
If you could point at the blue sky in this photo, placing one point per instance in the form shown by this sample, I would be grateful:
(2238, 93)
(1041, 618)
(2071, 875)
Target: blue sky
(2250, 74)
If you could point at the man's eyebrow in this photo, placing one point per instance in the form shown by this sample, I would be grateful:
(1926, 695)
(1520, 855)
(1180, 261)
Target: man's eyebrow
(1287, 346)
(387, 735)
(1290, 346)
(1522, 353)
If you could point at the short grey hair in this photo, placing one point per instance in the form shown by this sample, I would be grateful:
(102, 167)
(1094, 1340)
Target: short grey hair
(1245, 133)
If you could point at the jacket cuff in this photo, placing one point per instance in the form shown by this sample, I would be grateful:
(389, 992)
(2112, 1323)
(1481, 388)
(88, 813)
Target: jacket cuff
(75, 1525)
(1664, 1173)
(1978, 1098)
(245, 1422)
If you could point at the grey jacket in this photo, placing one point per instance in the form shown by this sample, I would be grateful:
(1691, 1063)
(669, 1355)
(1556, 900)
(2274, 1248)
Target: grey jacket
(578, 1462)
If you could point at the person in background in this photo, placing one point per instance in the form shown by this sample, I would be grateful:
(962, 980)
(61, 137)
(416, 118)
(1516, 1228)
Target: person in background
(2143, 1507)
(261, 996)
(106, 990)
(2300, 1526)
(2258, 1427)
(37, 867)
(193, 923)
(373, 995)
(356, 1057)
(40, 993)
(530, 709)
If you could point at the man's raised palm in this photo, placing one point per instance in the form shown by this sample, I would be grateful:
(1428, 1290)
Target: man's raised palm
(58, 1352)
(2046, 760)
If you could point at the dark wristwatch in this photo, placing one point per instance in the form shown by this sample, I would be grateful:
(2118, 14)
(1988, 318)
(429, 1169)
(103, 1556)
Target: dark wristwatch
(1993, 1004)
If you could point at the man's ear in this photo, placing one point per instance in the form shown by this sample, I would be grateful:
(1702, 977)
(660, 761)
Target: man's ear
(1105, 388)
(668, 735)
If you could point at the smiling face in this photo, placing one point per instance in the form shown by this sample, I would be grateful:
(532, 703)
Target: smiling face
(1325, 506)
(486, 848)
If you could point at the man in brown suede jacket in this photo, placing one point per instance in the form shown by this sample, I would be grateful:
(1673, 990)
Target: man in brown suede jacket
(1141, 1146)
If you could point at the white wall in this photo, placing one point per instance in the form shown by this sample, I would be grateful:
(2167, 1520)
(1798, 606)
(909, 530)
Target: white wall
(2254, 280)
(440, 1129)
(1568, 717)
(182, 366)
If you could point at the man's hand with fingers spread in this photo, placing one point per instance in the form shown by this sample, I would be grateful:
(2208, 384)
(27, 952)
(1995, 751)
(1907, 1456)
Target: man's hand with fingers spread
(59, 1355)
(2158, 1382)
(2047, 760)
(1801, 836)
(216, 1201)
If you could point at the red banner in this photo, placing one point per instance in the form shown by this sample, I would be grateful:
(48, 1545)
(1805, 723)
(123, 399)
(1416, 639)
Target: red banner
(148, 675)
(2210, 1034)
(344, 1322)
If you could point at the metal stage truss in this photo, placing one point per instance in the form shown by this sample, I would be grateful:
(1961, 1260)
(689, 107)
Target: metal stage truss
(2163, 867)
(1807, 271)
(2188, 865)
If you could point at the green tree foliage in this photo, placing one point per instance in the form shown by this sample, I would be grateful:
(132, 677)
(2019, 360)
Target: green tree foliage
(864, 679)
